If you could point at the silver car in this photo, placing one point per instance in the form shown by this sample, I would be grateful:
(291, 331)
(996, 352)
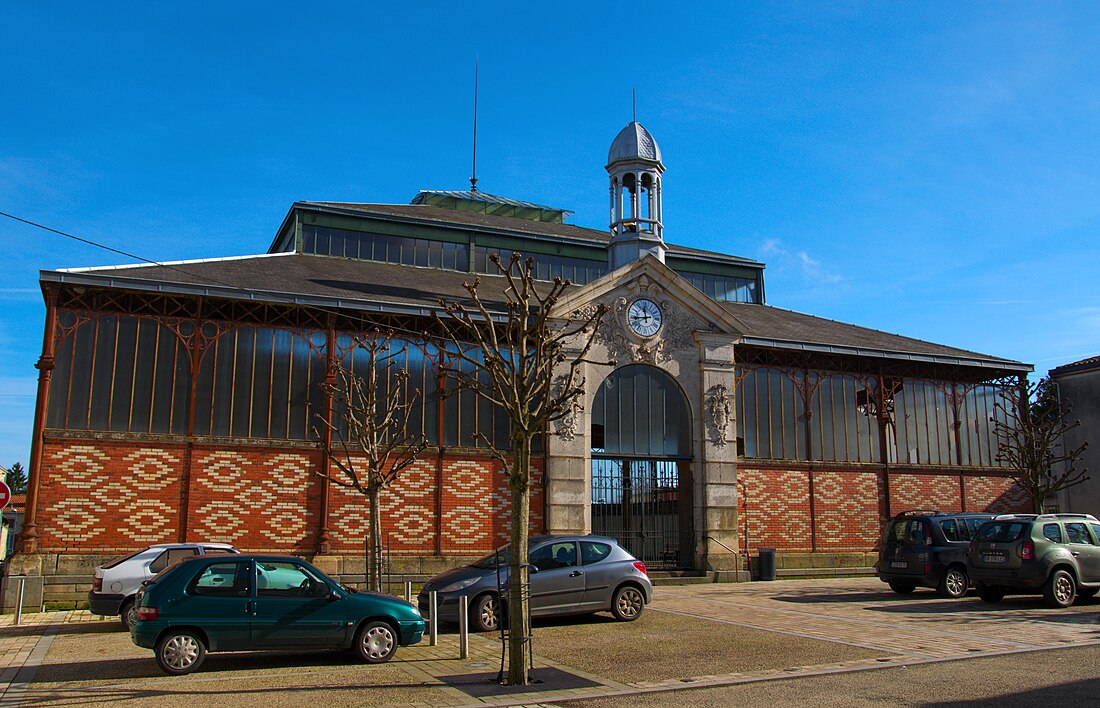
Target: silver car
(570, 575)
(116, 584)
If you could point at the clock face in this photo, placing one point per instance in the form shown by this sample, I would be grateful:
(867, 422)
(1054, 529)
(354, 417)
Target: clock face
(644, 317)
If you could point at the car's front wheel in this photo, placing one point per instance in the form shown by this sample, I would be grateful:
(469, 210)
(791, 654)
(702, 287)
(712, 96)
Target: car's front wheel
(627, 604)
(180, 652)
(989, 593)
(954, 583)
(376, 642)
(1060, 590)
(902, 587)
(485, 614)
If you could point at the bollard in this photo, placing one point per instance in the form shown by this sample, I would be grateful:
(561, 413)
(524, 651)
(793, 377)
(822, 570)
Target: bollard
(408, 591)
(464, 627)
(433, 620)
(19, 602)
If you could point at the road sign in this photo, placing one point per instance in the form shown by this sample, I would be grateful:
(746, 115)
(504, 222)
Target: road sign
(5, 494)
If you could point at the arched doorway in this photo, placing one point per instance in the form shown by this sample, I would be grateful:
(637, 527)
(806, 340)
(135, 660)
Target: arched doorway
(641, 466)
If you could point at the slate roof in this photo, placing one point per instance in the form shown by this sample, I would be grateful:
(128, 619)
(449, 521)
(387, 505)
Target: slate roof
(324, 281)
(769, 326)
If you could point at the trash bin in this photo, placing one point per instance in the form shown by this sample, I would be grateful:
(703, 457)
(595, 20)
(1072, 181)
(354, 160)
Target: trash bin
(766, 564)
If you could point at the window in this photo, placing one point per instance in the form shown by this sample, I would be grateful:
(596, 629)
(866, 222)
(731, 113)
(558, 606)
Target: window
(973, 525)
(1078, 533)
(909, 531)
(952, 532)
(592, 552)
(554, 555)
(1001, 532)
(1053, 532)
(215, 551)
(223, 580)
(171, 557)
(283, 579)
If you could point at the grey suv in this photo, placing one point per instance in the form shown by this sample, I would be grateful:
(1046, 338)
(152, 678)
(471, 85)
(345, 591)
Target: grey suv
(928, 549)
(1055, 554)
(116, 584)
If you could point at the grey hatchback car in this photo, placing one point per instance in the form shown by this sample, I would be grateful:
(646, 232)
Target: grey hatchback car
(570, 575)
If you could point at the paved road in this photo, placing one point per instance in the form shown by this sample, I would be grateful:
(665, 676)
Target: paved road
(1061, 677)
(847, 640)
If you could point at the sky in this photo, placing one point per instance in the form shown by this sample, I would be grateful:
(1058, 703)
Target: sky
(929, 169)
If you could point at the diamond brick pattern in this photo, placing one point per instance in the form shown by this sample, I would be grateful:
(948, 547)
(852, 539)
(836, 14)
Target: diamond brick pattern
(1001, 495)
(108, 496)
(925, 491)
(256, 500)
(407, 506)
(777, 504)
(848, 510)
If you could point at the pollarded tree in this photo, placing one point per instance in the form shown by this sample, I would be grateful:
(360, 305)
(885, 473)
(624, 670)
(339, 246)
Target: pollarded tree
(1032, 432)
(513, 354)
(373, 443)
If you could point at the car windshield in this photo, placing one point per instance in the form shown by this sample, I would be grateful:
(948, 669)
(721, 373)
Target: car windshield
(1001, 531)
(499, 557)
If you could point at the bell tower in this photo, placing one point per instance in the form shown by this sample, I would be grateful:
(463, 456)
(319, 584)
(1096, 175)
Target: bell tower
(634, 167)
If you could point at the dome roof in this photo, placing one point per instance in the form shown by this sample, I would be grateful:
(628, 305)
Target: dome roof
(633, 142)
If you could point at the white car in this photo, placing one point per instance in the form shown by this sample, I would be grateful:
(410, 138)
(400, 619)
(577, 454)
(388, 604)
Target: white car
(116, 584)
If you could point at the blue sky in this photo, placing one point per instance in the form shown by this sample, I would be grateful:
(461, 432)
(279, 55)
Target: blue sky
(930, 169)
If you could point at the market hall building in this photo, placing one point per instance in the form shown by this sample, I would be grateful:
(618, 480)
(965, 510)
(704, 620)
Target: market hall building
(179, 401)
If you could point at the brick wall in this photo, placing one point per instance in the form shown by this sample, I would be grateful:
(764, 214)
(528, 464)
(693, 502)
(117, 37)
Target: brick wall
(108, 496)
(849, 511)
(103, 497)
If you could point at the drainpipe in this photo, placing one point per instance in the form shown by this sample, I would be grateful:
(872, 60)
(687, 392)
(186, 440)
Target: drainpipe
(28, 538)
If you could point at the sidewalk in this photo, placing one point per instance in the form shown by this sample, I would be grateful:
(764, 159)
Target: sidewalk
(691, 637)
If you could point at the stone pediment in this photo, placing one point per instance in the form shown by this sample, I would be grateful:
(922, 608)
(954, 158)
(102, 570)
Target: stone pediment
(685, 311)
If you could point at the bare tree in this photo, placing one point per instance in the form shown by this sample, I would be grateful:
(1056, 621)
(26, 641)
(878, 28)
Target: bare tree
(509, 353)
(1031, 431)
(374, 442)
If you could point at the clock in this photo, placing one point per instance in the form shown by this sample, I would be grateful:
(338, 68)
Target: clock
(644, 317)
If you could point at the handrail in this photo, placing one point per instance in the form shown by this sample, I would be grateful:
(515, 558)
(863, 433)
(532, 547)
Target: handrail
(712, 538)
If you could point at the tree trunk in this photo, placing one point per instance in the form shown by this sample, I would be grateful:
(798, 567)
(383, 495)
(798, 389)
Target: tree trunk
(519, 627)
(374, 557)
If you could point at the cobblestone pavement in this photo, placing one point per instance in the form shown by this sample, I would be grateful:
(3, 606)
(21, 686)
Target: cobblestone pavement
(835, 626)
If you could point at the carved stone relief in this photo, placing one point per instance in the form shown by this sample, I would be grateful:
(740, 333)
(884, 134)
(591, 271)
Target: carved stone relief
(719, 407)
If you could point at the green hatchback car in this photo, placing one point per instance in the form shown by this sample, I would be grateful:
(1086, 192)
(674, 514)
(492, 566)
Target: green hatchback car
(255, 602)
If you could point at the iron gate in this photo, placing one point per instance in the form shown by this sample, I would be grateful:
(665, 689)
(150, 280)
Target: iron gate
(645, 505)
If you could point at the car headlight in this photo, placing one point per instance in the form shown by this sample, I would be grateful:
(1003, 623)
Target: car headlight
(460, 585)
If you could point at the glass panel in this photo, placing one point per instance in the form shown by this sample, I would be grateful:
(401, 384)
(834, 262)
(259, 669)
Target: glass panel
(223, 580)
(642, 411)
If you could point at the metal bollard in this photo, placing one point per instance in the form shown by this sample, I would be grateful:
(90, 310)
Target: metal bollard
(19, 602)
(464, 627)
(433, 620)
(408, 591)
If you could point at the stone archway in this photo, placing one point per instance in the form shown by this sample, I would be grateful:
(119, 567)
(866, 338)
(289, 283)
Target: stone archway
(641, 478)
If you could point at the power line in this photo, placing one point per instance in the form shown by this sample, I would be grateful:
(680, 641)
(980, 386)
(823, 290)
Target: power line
(268, 295)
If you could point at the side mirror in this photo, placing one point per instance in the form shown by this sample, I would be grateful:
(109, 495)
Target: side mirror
(334, 596)
(532, 569)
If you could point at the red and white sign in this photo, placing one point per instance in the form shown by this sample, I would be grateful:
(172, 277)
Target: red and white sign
(5, 494)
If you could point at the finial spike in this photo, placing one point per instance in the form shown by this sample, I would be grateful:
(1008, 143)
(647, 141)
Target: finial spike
(473, 169)
(634, 96)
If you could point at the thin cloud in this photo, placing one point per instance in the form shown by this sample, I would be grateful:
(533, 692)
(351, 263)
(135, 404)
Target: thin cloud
(811, 268)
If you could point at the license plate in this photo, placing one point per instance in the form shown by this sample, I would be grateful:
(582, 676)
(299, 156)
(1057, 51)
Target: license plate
(994, 559)
(899, 564)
